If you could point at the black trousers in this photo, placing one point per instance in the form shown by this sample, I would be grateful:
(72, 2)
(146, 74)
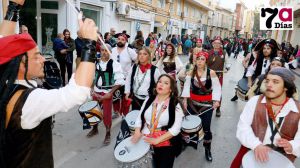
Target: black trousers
(206, 121)
(163, 157)
(136, 103)
(63, 64)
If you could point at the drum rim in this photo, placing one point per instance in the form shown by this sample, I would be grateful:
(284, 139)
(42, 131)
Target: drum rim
(126, 118)
(86, 103)
(130, 161)
(272, 151)
(200, 124)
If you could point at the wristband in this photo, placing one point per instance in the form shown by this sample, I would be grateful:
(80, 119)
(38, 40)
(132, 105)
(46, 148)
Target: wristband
(13, 12)
(88, 53)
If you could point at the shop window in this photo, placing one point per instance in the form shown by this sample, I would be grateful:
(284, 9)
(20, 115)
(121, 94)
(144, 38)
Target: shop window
(49, 4)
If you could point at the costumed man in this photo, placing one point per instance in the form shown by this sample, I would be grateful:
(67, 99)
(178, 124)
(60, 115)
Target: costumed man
(274, 122)
(216, 62)
(267, 50)
(108, 79)
(126, 57)
(25, 110)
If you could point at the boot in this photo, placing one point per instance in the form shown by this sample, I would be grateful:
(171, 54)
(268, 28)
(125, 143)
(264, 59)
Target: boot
(234, 98)
(218, 112)
(107, 137)
(93, 132)
(208, 155)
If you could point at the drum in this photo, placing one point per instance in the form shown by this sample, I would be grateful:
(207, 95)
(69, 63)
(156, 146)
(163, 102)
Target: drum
(191, 124)
(130, 155)
(276, 159)
(131, 118)
(242, 89)
(91, 114)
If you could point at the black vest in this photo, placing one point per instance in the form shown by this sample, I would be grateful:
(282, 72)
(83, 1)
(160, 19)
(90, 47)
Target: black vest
(27, 147)
(106, 76)
(200, 91)
(152, 81)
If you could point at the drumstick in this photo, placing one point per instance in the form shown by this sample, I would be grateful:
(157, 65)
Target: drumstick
(77, 10)
(205, 111)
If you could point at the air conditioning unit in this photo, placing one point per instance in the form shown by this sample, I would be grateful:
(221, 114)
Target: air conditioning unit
(123, 8)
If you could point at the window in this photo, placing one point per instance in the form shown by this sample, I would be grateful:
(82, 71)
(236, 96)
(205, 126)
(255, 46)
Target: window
(161, 3)
(93, 12)
(148, 1)
(186, 10)
(178, 7)
(49, 4)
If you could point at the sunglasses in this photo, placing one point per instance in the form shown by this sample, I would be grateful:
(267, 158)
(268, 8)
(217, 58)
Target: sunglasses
(265, 63)
(118, 58)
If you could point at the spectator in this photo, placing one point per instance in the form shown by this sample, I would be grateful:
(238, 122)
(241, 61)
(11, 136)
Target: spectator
(23, 29)
(149, 38)
(107, 37)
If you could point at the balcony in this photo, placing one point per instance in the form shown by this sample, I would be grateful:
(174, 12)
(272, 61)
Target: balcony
(200, 3)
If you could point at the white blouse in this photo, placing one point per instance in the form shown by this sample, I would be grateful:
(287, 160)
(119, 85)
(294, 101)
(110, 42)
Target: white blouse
(178, 64)
(163, 120)
(138, 77)
(216, 87)
(43, 103)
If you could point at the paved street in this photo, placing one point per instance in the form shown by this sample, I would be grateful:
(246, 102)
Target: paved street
(73, 150)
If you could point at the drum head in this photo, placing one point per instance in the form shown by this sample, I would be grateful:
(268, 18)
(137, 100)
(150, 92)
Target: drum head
(191, 122)
(88, 106)
(275, 160)
(127, 152)
(131, 117)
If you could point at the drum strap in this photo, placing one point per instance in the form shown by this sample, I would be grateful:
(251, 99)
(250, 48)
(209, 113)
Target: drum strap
(11, 104)
(273, 118)
(154, 119)
(200, 83)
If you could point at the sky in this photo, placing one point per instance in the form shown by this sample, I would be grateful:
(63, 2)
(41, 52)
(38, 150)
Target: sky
(250, 4)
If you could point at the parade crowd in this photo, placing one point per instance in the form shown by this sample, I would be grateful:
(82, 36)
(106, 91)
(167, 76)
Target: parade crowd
(172, 102)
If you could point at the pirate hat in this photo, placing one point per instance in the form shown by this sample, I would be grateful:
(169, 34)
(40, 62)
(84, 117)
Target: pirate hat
(271, 42)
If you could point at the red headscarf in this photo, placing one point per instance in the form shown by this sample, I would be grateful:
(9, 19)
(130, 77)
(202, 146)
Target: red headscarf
(14, 45)
(202, 54)
(198, 40)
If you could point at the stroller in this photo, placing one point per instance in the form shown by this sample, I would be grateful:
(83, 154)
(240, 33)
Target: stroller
(52, 78)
